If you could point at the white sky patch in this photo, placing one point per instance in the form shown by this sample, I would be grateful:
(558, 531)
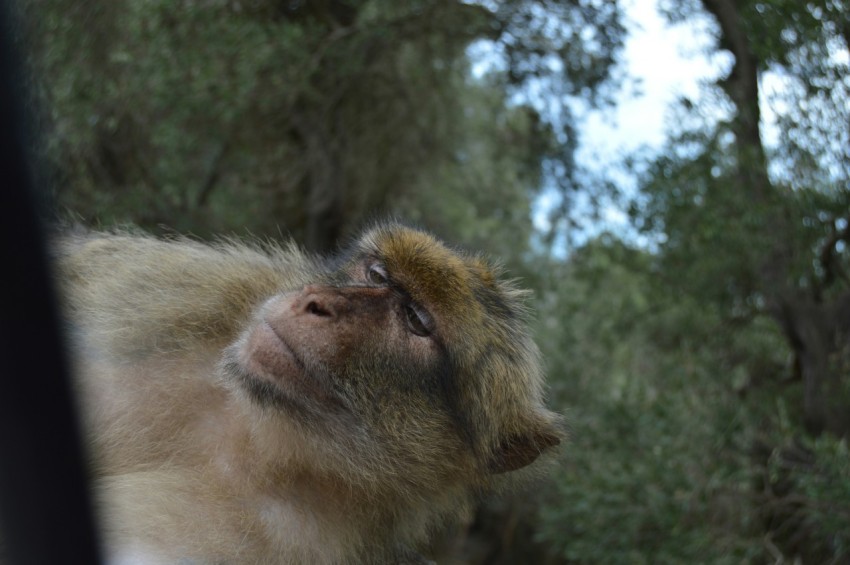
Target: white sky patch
(667, 62)
(772, 85)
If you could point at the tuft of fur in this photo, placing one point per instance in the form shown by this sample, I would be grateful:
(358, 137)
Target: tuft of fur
(189, 465)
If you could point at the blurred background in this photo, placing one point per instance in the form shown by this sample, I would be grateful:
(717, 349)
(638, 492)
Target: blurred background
(671, 178)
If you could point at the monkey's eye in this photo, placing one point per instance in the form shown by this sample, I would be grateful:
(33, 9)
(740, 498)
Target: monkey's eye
(377, 274)
(418, 320)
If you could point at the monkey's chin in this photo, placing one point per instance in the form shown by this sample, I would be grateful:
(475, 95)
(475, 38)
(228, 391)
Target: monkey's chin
(266, 355)
(273, 374)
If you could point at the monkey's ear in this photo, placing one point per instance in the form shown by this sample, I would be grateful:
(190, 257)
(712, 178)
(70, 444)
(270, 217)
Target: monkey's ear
(520, 450)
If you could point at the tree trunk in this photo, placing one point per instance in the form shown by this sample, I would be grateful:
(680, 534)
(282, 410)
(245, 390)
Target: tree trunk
(820, 336)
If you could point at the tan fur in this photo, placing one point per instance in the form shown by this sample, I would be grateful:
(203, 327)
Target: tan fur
(212, 443)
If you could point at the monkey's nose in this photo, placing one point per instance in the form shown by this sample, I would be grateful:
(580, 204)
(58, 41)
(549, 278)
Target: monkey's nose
(321, 301)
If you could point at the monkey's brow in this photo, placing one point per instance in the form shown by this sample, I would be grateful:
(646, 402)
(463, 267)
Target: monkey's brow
(350, 274)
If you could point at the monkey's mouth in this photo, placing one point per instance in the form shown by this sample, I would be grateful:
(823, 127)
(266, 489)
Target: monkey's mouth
(268, 359)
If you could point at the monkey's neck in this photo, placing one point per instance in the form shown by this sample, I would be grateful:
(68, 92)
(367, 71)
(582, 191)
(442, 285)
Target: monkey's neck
(292, 499)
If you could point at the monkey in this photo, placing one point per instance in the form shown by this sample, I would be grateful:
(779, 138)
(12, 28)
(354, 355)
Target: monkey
(247, 402)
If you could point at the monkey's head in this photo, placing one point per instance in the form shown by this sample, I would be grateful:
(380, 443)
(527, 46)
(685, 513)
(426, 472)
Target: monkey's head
(406, 358)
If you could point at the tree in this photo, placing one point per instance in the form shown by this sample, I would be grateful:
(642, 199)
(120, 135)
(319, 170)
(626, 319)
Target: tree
(313, 116)
(656, 470)
(753, 224)
(764, 229)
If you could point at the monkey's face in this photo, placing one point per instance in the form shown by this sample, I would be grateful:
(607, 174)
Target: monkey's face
(358, 354)
(409, 343)
(325, 349)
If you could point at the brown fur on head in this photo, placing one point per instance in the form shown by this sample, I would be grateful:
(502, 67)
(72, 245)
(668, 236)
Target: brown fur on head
(320, 411)
(493, 384)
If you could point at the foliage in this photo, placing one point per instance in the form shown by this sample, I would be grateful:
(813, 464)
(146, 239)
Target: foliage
(806, 497)
(306, 117)
(756, 231)
(708, 382)
(657, 465)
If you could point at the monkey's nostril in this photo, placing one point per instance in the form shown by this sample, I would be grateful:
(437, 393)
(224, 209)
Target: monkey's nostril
(316, 309)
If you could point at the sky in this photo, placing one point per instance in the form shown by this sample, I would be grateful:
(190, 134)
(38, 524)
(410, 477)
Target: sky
(664, 62)
(668, 62)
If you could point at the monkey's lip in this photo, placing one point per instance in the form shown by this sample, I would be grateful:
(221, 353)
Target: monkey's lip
(271, 358)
